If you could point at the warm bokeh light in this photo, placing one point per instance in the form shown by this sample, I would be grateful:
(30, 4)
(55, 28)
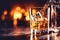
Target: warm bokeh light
(22, 10)
(5, 12)
(15, 23)
(17, 15)
(18, 8)
(27, 18)
(3, 17)
(26, 13)
(12, 13)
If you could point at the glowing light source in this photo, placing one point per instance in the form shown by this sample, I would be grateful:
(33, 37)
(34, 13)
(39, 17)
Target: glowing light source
(18, 8)
(5, 12)
(27, 15)
(17, 15)
(3, 15)
(27, 18)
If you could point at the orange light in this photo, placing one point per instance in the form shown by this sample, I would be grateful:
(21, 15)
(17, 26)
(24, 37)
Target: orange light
(33, 11)
(17, 15)
(15, 22)
(27, 18)
(12, 13)
(33, 24)
(3, 17)
(5, 12)
(18, 8)
(26, 13)
(22, 10)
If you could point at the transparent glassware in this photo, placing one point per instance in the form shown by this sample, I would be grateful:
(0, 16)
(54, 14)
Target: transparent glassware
(38, 19)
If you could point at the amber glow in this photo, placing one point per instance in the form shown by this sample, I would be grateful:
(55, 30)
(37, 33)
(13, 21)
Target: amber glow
(17, 15)
(5, 12)
(27, 18)
(22, 10)
(27, 15)
(18, 8)
(15, 22)
(3, 17)
(33, 24)
(33, 11)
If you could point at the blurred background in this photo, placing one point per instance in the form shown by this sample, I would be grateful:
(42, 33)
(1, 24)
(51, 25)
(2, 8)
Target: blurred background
(9, 8)
(15, 13)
